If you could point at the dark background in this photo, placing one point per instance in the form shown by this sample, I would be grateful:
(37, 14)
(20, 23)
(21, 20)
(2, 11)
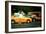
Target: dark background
(26, 9)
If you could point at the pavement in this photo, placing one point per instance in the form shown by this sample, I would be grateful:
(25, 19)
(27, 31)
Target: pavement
(27, 25)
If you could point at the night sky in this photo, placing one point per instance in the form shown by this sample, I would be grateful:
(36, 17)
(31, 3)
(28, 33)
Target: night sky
(26, 9)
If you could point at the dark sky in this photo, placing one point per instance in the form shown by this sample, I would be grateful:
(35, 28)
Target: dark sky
(26, 9)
